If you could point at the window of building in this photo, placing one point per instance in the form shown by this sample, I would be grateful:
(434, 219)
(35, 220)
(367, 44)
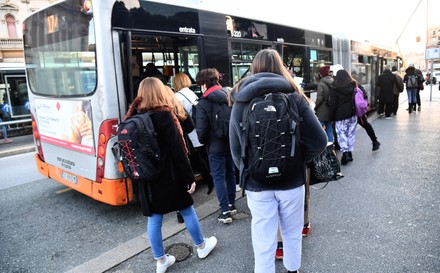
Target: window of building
(10, 22)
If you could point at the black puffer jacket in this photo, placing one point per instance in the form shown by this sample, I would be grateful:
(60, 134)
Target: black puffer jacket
(342, 101)
(204, 129)
(313, 137)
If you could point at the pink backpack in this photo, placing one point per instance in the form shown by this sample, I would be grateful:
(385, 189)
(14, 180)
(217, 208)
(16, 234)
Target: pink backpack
(360, 103)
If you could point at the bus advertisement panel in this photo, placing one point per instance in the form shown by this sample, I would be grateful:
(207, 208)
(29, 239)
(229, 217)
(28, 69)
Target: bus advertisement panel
(75, 135)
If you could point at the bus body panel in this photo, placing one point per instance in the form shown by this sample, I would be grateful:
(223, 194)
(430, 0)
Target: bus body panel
(115, 192)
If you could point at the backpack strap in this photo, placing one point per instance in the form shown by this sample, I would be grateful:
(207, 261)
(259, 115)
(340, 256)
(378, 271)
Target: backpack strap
(180, 93)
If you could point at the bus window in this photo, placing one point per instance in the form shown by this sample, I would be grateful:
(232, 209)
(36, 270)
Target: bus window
(62, 65)
(242, 56)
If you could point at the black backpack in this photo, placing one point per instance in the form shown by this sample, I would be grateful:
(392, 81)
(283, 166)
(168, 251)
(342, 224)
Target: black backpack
(221, 114)
(139, 150)
(412, 82)
(271, 137)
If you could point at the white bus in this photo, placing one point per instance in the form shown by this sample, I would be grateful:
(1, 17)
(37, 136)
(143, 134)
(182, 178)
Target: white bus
(84, 59)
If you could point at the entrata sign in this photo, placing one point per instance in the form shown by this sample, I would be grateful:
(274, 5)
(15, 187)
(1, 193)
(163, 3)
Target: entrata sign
(432, 53)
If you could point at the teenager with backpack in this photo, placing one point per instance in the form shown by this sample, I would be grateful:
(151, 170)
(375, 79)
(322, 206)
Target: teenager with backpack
(342, 111)
(171, 190)
(212, 126)
(275, 197)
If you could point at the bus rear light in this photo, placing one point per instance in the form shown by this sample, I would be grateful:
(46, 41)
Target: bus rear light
(105, 133)
(37, 139)
(100, 162)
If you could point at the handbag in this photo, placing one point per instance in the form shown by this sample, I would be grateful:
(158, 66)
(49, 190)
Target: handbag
(325, 167)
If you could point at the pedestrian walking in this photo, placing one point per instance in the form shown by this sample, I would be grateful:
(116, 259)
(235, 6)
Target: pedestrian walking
(281, 202)
(168, 192)
(385, 86)
(212, 119)
(398, 88)
(342, 111)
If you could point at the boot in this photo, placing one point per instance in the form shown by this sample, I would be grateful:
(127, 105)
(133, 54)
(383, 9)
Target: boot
(376, 145)
(410, 108)
(344, 159)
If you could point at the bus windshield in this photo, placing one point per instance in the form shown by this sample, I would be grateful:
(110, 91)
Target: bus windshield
(61, 59)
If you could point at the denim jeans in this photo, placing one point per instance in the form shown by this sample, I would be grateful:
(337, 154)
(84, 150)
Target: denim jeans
(154, 229)
(223, 172)
(4, 132)
(328, 129)
(268, 209)
(411, 95)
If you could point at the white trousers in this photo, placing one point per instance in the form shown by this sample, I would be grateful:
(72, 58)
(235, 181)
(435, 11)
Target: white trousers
(268, 209)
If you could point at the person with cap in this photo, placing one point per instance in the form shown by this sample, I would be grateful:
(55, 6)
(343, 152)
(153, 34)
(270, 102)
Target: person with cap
(322, 101)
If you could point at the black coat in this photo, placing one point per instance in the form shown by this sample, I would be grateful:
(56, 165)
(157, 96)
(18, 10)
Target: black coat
(342, 101)
(169, 191)
(203, 121)
(385, 83)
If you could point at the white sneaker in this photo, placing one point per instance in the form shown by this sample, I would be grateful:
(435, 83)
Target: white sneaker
(162, 267)
(210, 243)
(237, 188)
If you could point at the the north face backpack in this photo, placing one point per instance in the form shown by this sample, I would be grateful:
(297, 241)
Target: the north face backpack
(412, 82)
(139, 150)
(271, 138)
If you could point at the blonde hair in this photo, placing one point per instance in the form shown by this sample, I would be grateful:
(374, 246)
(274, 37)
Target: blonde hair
(155, 94)
(180, 81)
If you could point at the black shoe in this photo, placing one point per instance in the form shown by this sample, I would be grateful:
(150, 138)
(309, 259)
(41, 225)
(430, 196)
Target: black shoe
(350, 156)
(376, 145)
(337, 147)
(225, 217)
(210, 185)
(296, 271)
(344, 159)
(180, 218)
(232, 209)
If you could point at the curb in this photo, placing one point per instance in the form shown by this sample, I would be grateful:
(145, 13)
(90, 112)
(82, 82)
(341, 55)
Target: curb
(17, 151)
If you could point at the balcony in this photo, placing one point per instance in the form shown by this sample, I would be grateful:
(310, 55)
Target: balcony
(11, 43)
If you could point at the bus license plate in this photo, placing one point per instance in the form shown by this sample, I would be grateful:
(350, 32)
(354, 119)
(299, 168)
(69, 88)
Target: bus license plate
(69, 177)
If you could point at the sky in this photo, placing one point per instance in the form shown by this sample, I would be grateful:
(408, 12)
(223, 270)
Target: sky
(380, 22)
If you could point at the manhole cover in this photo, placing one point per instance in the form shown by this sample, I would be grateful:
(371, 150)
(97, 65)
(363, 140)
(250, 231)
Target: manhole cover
(180, 251)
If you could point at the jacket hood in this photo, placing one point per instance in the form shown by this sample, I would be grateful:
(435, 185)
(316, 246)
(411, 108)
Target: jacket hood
(260, 84)
(327, 80)
(410, 69)
(345, 88)
(219, 96)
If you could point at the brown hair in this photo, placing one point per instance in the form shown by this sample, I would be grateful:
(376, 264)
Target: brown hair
(154, 95)
(180, 81)
(208, 76)
(268, 60)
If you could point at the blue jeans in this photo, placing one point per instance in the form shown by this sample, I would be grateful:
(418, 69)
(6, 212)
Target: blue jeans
(328, 129)
(412, 95)
(4, 132)
(223, 173)
(154, 229)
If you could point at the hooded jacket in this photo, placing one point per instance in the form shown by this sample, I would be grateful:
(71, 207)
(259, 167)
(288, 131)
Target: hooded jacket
(386, 83)
(204, 128)
(322, 95)
(313, 137)
(342, 101)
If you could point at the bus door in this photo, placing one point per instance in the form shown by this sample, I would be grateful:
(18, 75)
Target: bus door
(162, 56)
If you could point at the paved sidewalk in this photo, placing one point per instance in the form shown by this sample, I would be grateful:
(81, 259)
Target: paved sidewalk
(19, 145)
(382, 217)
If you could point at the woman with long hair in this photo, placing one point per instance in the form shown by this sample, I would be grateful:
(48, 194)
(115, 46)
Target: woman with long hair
(342, 111)
(282, 202)
(172, 189)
